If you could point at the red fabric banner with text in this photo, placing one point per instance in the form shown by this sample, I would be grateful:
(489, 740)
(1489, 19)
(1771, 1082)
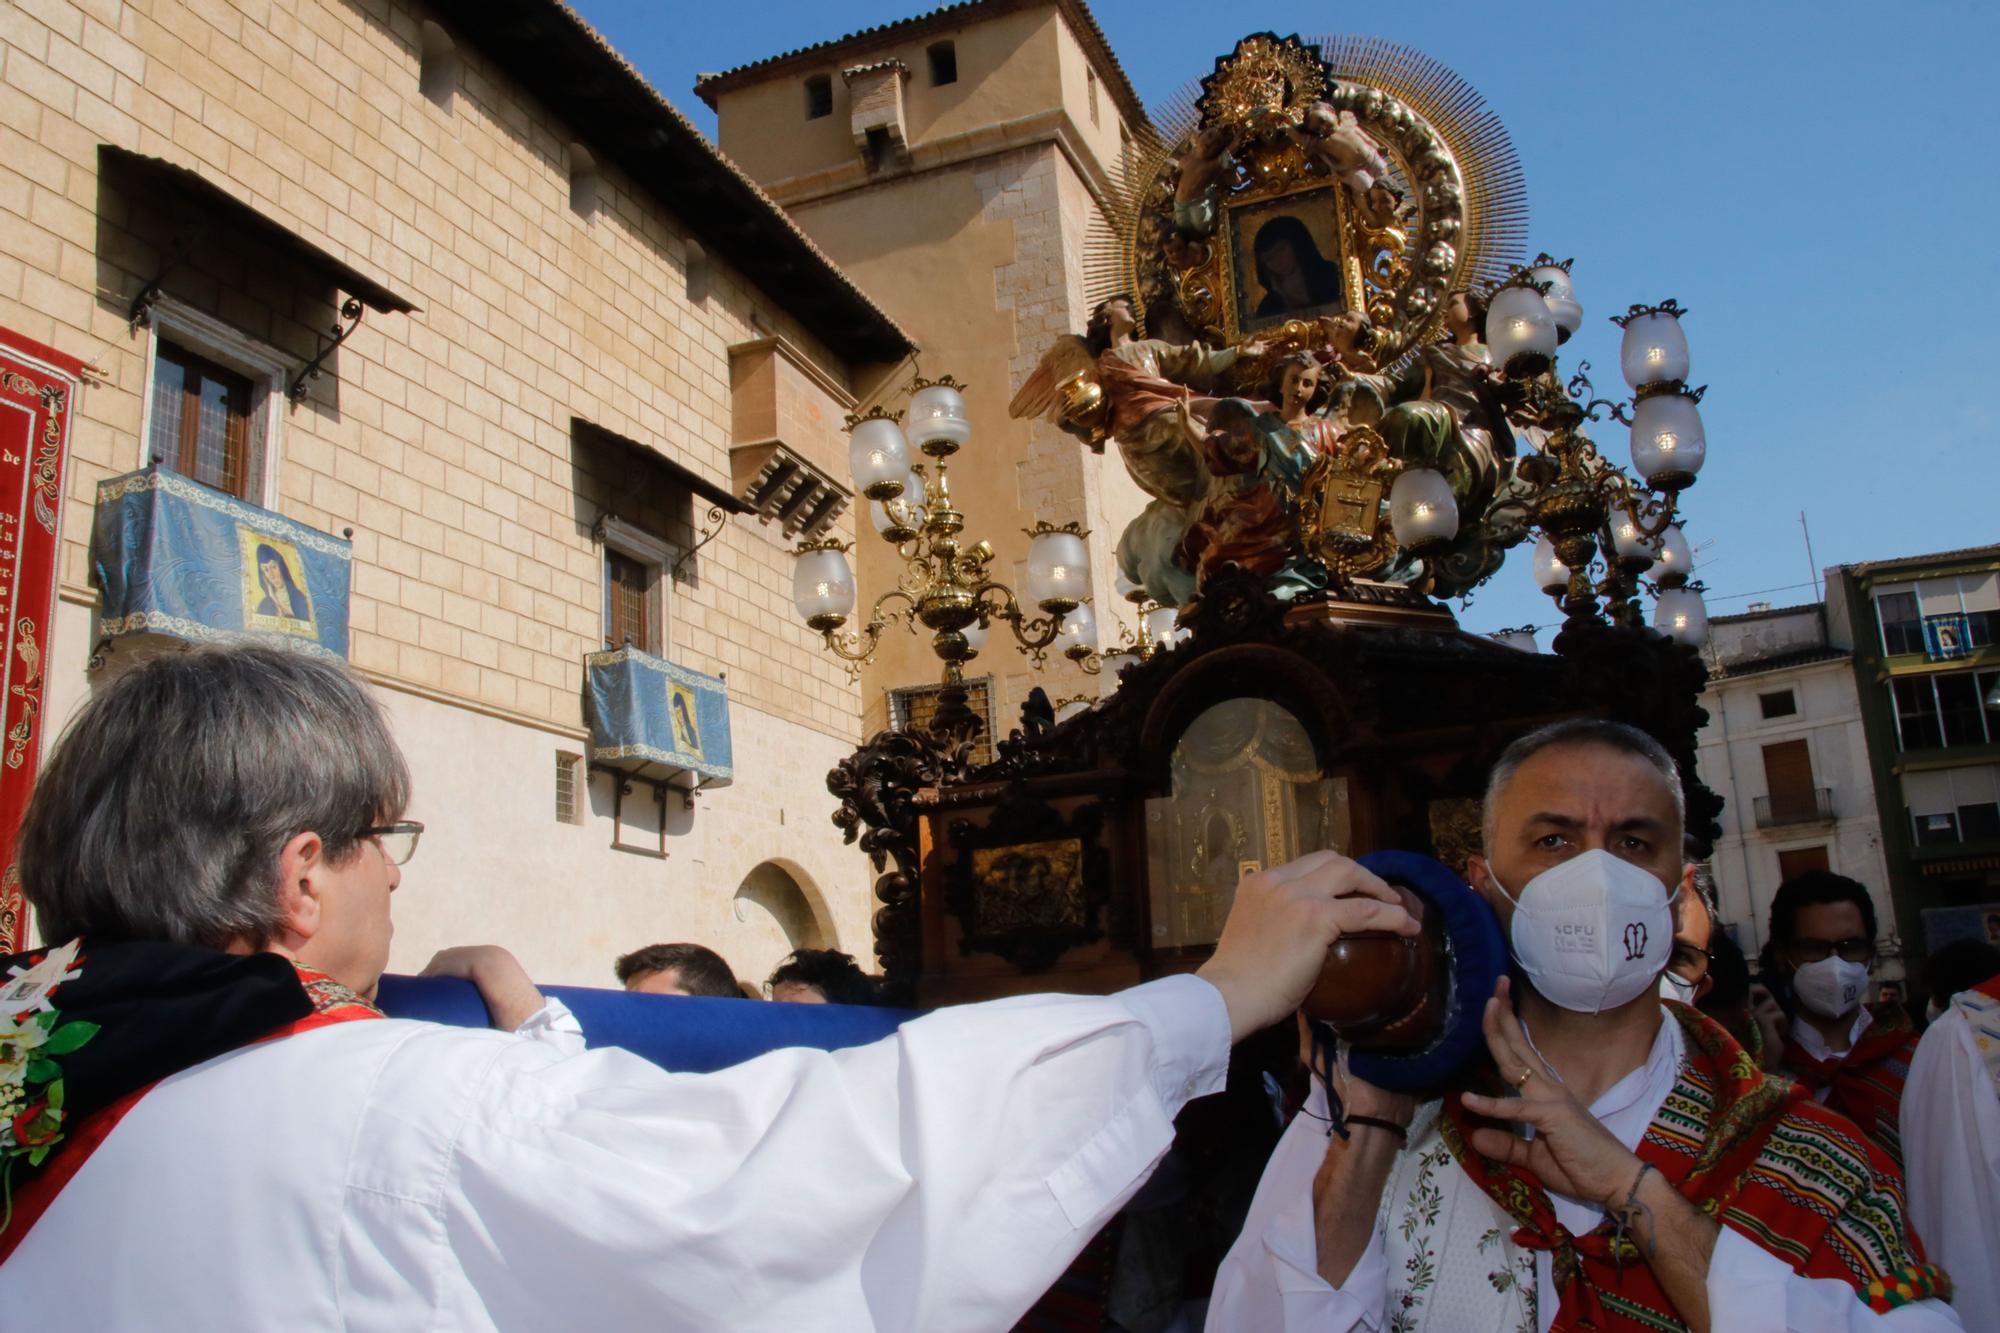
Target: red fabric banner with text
(38, 390)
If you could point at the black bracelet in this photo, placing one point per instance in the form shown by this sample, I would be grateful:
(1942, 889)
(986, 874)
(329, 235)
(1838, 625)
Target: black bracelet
(1401, 1132)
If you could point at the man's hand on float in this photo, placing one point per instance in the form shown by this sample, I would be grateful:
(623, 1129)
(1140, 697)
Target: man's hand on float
(1280, 927)
(1571, 1153)
(511, 998)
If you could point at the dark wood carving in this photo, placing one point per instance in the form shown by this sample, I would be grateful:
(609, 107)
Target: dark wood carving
(1412, 709)
(1030, 882)
(876, 786)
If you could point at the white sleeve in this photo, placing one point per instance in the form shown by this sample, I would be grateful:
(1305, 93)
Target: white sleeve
(1751, 1290)
(939, 1179)
(1950, 1125)
(556, 1027)
(1269, 1281)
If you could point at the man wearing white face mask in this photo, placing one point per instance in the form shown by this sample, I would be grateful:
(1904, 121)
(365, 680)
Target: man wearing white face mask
(1822, 946)
(1621, 1164)
(1686, 978)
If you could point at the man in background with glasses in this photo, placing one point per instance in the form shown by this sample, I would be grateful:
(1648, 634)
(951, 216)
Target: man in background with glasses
(1821, 949)
(1686, 978)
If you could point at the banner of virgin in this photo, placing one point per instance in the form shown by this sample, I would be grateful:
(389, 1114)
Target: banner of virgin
(38, 388)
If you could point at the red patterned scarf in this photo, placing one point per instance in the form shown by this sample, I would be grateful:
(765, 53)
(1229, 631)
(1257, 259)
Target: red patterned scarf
(1745, 1149)
(1865, 1082)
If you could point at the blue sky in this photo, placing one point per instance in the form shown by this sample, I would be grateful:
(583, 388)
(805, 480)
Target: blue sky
(1816, 184)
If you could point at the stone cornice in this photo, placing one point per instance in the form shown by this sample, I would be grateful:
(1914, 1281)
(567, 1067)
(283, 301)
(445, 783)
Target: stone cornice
(1043, 127)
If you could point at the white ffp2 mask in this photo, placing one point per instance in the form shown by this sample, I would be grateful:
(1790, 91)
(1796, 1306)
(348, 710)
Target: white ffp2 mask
(1831, 987)
(1674, 988)
(1592, 932)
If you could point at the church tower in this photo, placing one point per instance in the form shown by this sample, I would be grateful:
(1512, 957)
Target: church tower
(952, 164)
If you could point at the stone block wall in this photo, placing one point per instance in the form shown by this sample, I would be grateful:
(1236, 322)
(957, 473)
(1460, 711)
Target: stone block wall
(445, 439)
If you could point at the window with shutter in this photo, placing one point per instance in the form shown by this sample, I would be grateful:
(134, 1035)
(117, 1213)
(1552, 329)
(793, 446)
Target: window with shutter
(201, 419)
(1799, 860)
(1788, 776)
(626, 618)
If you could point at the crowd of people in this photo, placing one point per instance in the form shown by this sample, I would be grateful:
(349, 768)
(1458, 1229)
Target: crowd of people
(805, 976)
(1653, 1138)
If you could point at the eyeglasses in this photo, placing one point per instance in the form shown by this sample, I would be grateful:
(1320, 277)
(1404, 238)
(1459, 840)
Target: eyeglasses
(1806, 949)
(397, 841)
(1689, 963)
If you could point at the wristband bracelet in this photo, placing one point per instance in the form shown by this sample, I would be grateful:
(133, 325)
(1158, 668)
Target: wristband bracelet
(1631, 1209)
(1401, 1132)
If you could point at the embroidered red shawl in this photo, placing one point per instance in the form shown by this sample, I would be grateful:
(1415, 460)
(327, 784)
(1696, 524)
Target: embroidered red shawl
(1748, 1150)
(1865, 1082)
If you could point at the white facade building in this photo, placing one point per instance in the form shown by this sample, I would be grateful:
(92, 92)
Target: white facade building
(1786, 750)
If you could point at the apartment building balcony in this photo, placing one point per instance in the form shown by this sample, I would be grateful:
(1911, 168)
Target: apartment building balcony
(1813, 805)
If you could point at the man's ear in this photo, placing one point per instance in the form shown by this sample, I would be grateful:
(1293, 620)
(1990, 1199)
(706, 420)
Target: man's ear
(1479, 874)
(300, 905)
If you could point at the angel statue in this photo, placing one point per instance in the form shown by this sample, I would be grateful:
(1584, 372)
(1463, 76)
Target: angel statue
(1300, 390)
(1200, 174)
(1113, 382)
(1250, 516)
(1443, 410)
(1333, 142)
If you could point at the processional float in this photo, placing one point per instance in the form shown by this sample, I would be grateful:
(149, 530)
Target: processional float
(1318, 347)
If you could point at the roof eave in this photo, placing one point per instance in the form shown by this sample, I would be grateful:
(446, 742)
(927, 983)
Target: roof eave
(555, 55)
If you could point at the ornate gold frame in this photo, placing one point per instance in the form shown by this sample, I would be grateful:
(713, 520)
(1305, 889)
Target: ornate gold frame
(1222, 262)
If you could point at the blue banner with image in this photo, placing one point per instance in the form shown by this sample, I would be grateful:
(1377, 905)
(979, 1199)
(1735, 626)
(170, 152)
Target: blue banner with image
(646, 713)
(177, 558)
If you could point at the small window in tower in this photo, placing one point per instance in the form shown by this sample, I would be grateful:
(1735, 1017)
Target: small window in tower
(437, 72)
(944, 63)
(1779, 703)
(583, 182)
(1090, 85)
(819, 96)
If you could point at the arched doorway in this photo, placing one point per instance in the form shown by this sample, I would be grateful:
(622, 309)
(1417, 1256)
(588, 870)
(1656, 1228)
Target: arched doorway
(775, 913)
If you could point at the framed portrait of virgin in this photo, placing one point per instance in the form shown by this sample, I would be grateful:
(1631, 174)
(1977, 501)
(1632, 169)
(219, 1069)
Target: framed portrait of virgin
(1286, 258)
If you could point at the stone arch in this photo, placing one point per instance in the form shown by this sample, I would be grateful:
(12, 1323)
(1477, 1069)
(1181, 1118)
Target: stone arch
(777, 908)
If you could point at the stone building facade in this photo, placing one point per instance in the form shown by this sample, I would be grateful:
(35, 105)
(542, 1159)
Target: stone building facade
(1924, 634)
(954, 164)
(585, 337)
(1785, 748)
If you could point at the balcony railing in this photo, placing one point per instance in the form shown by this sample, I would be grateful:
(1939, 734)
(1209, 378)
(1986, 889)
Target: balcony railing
(1813, 806)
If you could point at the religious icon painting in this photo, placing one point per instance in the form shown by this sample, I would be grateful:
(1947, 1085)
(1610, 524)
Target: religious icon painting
(681, 707)
(1030, 886)
(1286, 258)
(274, 585)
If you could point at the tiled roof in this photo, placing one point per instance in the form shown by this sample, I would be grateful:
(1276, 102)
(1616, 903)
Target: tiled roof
(1877, 567)
(1752, 666)
(552, 52)
(1076, 12)
(1766, 614)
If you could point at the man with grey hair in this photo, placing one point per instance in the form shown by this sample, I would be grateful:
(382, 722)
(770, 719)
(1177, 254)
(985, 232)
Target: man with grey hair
(1621, 1163)
(200, 1096)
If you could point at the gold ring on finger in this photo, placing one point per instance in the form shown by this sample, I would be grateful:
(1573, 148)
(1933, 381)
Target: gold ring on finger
(1526, 1074)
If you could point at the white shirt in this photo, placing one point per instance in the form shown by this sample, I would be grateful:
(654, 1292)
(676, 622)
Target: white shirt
(1269, 1281)
(1951, 1157)
(1812, 1043)
(397, 1175)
